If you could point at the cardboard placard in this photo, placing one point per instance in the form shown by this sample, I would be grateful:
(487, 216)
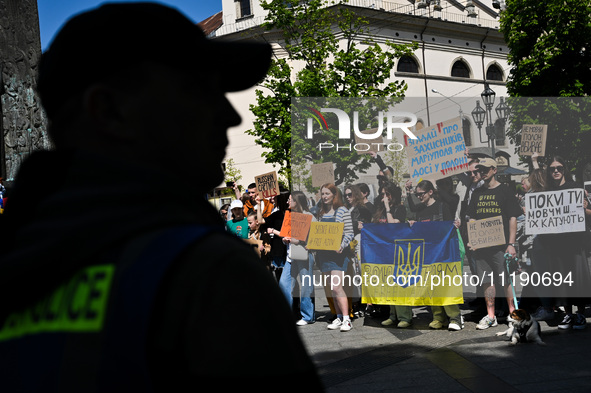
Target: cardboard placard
(296, 225)
(533, 139)
(325, 235)
(487, 232)
(322, 174)
(554, 211)
(286, 225)
(364, 146)
(438, 151)
(300, 225)
(267, 184)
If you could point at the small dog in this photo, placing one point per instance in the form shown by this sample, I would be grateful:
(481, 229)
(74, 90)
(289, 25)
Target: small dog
(523, 329)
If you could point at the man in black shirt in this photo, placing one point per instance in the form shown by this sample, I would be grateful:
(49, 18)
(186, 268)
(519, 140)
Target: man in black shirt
(120, 280)
(491, 200)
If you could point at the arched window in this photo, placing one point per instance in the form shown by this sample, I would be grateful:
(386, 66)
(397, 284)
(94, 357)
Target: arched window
(494, 73)
(460, 69)
(407, 64)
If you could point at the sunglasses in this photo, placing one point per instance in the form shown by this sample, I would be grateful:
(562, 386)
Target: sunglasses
(472, 173)
(420, 194)
(558, 168)
(484, 170)
(348, 195)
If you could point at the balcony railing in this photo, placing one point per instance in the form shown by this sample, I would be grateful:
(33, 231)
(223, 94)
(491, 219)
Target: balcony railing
(388, 6)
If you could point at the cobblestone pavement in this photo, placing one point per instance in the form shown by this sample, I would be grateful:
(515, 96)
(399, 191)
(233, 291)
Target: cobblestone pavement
(373, 358)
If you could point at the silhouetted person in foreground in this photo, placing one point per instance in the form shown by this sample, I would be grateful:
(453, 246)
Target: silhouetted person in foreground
(108, 284)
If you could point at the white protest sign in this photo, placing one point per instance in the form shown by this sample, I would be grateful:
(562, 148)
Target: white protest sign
(438, 151)
(554, 212)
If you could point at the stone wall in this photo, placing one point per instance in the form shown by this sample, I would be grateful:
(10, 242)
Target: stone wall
(23, 121)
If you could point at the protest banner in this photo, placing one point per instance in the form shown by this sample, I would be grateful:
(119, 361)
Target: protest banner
(267, 185)
(413, 266)
(438, 151)
(487, 232)
(554, 212)
(322, 174)
(364, 146)
(325, 235)
(300, 225)
(533, 139)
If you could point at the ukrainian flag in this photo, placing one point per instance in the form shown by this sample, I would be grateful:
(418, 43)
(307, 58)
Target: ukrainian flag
(412, 266)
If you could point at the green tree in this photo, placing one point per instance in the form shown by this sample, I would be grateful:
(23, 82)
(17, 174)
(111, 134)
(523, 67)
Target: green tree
(397, 160)
(550, 52)
(335, 57)
(232, 173)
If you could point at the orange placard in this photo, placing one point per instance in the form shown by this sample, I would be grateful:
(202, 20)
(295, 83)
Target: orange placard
(300, 226)
(286, 226)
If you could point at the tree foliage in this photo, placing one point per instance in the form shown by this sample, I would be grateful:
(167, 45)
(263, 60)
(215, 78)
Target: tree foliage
(330, 53)
(550, 52)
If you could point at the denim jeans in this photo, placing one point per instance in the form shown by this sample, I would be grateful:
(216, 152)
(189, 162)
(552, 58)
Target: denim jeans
(299, 271)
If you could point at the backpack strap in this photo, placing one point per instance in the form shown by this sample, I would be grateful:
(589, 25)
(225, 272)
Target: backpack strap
(124, 355)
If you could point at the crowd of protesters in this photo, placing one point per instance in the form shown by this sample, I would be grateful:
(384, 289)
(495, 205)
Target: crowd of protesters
(457, 199)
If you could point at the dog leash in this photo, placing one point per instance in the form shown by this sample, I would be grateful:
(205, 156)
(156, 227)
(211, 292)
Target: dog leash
(508, 259)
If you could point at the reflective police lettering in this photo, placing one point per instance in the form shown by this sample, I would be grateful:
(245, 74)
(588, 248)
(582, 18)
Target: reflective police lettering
(79, 305)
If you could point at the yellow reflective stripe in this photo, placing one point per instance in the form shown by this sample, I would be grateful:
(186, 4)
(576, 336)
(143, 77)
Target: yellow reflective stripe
(80, 305)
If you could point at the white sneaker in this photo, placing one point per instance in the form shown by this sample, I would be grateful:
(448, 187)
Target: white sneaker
(487, 322)
(335, 324)
(302, 322)
(346, 325)
(454, 326)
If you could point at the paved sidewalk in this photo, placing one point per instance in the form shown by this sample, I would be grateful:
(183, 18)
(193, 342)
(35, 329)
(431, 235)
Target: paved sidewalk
(373, 358)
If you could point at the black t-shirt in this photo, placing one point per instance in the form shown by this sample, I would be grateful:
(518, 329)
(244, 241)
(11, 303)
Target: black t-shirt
(437, 211)
(398, 213)
(359, 214)
(493, 202)
(372, 209)
(275, 221)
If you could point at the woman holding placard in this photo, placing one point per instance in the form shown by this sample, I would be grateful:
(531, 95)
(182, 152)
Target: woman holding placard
(389, 210)
(435, 210)
(300, 264)
(567, 254)
(333, 264)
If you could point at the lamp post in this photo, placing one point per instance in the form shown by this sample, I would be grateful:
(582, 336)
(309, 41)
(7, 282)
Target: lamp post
(446, 97)
(480, 115)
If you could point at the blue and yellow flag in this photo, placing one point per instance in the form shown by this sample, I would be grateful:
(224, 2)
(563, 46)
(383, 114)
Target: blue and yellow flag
(413, 266)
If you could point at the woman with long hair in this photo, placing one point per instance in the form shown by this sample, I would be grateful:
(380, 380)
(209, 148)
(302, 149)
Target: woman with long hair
(333, 264)
(436, 210)
(272, 225)
(355, 202)
(389, 210)
(564, 253)
(299, 264)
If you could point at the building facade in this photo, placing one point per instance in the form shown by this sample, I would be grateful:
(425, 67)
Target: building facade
(460, 49)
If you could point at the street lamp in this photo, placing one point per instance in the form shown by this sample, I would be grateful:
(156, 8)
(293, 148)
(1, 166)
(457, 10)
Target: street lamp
(479, 114)
(444, 96)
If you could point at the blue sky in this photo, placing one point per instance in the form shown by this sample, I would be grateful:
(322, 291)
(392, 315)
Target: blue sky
(53, 13)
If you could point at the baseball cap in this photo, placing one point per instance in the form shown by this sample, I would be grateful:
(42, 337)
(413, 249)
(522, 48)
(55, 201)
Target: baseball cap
(104, 40)
(487, 162)
(236, 203)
